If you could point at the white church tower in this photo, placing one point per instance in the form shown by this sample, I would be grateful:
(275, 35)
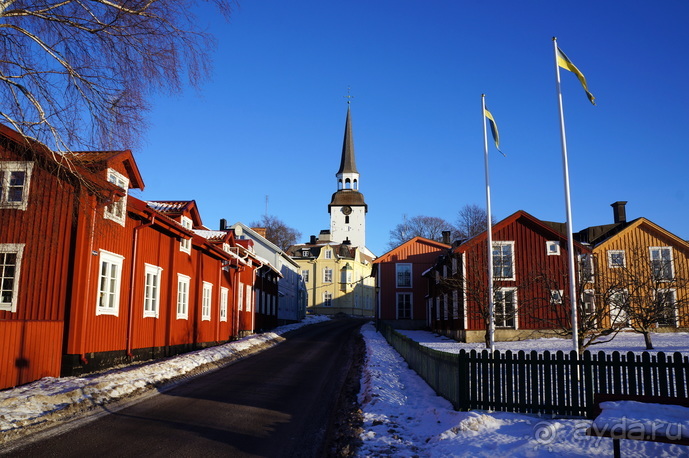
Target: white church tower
(347, 208)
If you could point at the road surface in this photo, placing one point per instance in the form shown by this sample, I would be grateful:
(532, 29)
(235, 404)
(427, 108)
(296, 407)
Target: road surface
(278, 403)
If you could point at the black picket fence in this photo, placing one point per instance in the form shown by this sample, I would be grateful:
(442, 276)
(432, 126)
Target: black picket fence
(545, 382)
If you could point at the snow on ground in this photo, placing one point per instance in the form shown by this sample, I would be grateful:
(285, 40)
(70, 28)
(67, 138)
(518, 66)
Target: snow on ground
(403, 417)
(51, 400)
(668, 342)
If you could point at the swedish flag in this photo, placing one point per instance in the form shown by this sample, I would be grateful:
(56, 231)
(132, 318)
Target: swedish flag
(564, 62)
(493, 129)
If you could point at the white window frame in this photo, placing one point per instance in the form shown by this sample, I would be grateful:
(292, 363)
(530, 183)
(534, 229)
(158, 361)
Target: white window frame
(515, 306)
(6, 169)
(675, 317)
(613, 265)
(552, 248)
(152, 277)
(512, 255)
(113, 286)
(206, 301)
(617, 314)
(327, 299)
(185, 244)
(249, 298)
(305, 275)
(117, 210)
(224, 295)
(556, 296)
(18, 250)
(587, 272)
(183, 283)
(588, 300)
(671, 261)
(410, 304)
(328, 254)
(240, 297)
(327, 275)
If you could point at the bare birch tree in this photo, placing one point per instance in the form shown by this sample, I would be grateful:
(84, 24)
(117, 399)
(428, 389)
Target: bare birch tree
(77, 74)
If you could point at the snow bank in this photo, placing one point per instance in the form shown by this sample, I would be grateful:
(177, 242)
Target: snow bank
(403, 417)
(49, 400)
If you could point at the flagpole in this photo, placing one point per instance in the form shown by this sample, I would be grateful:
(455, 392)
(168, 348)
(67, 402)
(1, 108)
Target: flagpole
(489, 231)
(570, 238)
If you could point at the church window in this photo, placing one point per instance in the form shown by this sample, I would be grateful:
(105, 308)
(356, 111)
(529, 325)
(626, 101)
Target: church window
(346, 219)
(348, 184)
(356, 184)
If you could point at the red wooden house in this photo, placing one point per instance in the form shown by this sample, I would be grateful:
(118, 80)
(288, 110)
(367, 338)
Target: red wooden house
(402, 290)
(91, 276)
(530, 281)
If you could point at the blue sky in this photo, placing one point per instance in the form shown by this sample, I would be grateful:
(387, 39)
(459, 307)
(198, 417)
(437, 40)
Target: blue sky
(270, 121)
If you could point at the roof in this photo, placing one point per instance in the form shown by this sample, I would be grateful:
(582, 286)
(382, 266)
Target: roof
(347, 197)
(99, 160)
(626, 227)
(422, 240)
(348, 161)
(174, 208)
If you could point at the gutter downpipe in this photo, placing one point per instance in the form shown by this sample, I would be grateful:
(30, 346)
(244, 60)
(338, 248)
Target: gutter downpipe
(130, 317)
(82, 356)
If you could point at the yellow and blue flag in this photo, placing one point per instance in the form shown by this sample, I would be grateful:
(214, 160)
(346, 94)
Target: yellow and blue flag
(493, 129)
(564, 62)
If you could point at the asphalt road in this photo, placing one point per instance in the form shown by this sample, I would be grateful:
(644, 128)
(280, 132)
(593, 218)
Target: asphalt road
(278, 403)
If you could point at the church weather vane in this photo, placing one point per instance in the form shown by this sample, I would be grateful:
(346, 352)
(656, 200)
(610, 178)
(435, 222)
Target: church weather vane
(349, 96)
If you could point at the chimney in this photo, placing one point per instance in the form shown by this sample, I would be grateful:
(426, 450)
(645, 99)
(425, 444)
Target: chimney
(446, 237)
(223, 224)
(618, 211)
(313, 240)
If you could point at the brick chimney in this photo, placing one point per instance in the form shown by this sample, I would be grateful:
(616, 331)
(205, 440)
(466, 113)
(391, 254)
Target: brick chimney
(446, 237)
(618, 211)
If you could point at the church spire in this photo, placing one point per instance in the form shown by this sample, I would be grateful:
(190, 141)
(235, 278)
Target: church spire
(348, 162)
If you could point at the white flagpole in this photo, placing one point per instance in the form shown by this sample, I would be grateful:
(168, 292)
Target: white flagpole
(570, 238)
(489, 232)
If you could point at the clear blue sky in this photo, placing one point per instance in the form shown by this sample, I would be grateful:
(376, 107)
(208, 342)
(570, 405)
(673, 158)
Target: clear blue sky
(271, 120)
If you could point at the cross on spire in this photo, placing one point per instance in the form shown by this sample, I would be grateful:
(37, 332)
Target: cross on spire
(349, 97)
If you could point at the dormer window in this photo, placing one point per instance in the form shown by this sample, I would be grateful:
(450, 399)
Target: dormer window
(14, 184)
(184, 243)
(116, 210)
(328, 254)
(306, 253)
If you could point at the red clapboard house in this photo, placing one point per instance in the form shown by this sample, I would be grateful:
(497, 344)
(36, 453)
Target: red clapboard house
(531, 282)
(402, 290)
(91, 276)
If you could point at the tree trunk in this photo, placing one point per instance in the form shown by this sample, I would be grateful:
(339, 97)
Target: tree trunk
(647, 340)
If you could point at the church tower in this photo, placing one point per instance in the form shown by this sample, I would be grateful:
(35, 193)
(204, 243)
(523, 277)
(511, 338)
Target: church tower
(347, 208)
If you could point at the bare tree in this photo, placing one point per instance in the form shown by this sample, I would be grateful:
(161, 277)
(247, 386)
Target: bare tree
(76, 75)
(471, 221)
(651, 289)
(430, 227)
(277, 231)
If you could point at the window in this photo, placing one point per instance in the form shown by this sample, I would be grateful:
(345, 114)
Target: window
(328, 254)
(616, 259)
(152, 291)
(109, 283)
(305, 253)
(182, 296)
(619, 300)
(552, 248)
(455, 304)
(15, 177)
(586, 268)
(667, 303)
(327, 299)
(403, 306)
(444, 305)
(224, 293)
(305, 275)
(503, 260)
(206, 301)
(249, 298)
(555, 296)
(10, 264)
(185, 244)
(589, 304)
(327, 275)
(505, 308)
(454, 266)
(240, 297)
(117, 209)
(661, 263)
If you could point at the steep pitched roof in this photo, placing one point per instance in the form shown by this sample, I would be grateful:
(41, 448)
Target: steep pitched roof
(175, 208)
(638, 222)
(348, 161)
(99, 160)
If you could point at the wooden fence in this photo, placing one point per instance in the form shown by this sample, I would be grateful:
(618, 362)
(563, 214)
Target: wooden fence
(541, 382)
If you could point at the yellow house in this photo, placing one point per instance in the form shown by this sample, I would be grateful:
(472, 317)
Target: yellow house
(337, 277)
(641, 274)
